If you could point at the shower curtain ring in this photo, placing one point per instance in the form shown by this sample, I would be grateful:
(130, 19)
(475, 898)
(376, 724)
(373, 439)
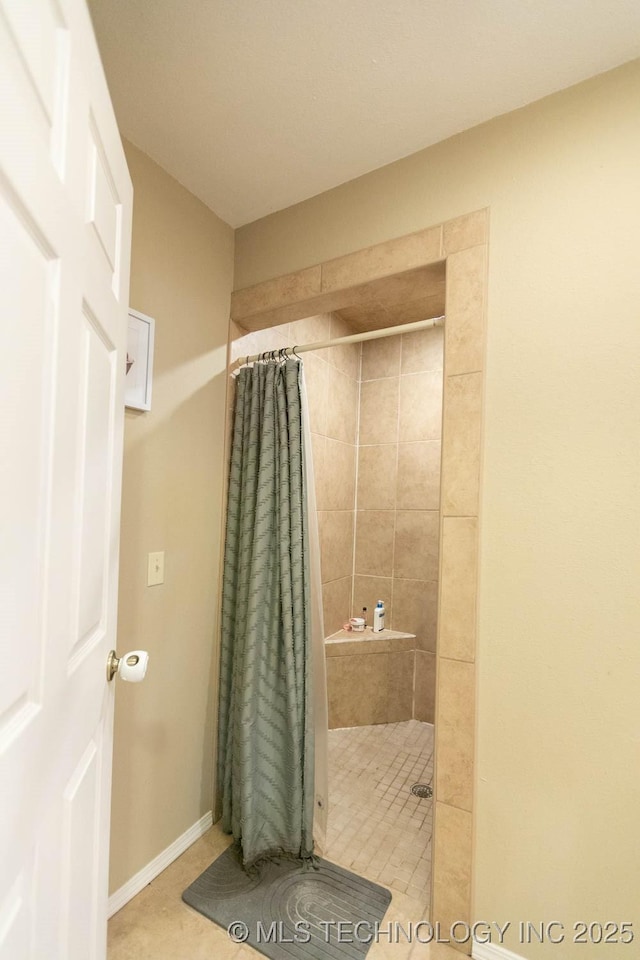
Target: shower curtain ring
(294, 352)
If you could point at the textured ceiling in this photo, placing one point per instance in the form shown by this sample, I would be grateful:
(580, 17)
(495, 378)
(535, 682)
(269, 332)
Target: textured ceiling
(256, 104)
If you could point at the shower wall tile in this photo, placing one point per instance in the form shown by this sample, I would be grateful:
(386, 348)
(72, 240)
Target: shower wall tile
(380, 358)
(418, 476)
(420, 415)
(422, 350)
(336, 604)
(455, 723)
(316, 373)
(365, 313)
(311, 330)
(370, 688)
(465, 310)
(379, 411)
(342, 406)
(459, 587)
(336, 543)
(339, 481)
(317, 452)
(383, 259)
(425, 687)
(416, 545)
(275, 293)
(467, 231)
(374, 542)
(416, 610)
(258, 341)
(332, 389)
(357, 689)
(400, 679)
(366, 593)
(461, 445)
(452, 866)
(346, 357)
(431, 305)
(403, 477)
(377, 477)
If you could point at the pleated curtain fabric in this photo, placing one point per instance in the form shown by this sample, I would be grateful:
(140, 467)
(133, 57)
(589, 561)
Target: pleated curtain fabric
(265, 734)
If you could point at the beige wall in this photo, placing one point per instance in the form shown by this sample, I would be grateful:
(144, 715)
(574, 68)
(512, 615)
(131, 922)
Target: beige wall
(181, 274)
(558, 656)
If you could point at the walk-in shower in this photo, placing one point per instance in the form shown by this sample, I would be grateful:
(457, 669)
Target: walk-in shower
(437, 270)
(375, 412)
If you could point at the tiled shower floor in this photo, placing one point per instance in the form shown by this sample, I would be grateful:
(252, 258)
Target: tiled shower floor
(376, 827)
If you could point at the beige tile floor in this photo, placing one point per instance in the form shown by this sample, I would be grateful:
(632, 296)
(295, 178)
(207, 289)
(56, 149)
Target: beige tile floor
(376, 826)
(371, 771)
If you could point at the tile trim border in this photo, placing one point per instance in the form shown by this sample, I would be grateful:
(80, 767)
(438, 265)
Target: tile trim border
(154, 868)
(308, 291)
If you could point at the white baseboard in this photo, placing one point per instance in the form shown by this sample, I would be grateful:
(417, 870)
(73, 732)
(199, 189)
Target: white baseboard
(128, 891)
(490, 951)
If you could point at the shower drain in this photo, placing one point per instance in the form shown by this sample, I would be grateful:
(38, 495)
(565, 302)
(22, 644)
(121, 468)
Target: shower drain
(423, 790)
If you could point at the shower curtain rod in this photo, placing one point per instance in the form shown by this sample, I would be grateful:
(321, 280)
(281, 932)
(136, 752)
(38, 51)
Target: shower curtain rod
(353, 338)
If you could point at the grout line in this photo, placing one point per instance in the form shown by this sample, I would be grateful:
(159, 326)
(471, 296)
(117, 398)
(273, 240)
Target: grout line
(395, 508)
(416, 373)
(467, 373)
(345, 443)
(355, 498)
(389, 443)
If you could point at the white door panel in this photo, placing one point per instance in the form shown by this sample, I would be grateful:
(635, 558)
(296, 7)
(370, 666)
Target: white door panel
(65, 220)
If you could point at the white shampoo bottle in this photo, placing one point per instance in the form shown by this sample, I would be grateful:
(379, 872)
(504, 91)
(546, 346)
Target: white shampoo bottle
(378, 617)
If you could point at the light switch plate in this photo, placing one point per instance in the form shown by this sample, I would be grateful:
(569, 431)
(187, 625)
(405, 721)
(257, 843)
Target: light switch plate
(155, 569)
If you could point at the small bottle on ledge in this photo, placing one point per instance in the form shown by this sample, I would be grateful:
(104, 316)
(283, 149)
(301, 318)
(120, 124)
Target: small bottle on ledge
(378, 617)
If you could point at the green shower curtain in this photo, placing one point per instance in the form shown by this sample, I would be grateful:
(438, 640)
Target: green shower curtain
(265, 733)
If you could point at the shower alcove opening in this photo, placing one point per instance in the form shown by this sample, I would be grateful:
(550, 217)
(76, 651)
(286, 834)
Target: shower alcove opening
(396, 434)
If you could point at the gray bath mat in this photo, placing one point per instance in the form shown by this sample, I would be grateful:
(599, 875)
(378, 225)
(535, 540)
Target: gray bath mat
(286, 910)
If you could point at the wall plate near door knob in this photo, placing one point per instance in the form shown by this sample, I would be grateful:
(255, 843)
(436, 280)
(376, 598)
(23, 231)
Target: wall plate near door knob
(132, 666)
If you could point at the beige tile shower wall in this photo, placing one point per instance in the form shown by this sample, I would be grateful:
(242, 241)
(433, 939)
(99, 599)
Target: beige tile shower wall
(398, 495)
(368, 687)
(332, 378)
(460, 497)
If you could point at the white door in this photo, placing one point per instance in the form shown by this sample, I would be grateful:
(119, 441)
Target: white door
(65, 219)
